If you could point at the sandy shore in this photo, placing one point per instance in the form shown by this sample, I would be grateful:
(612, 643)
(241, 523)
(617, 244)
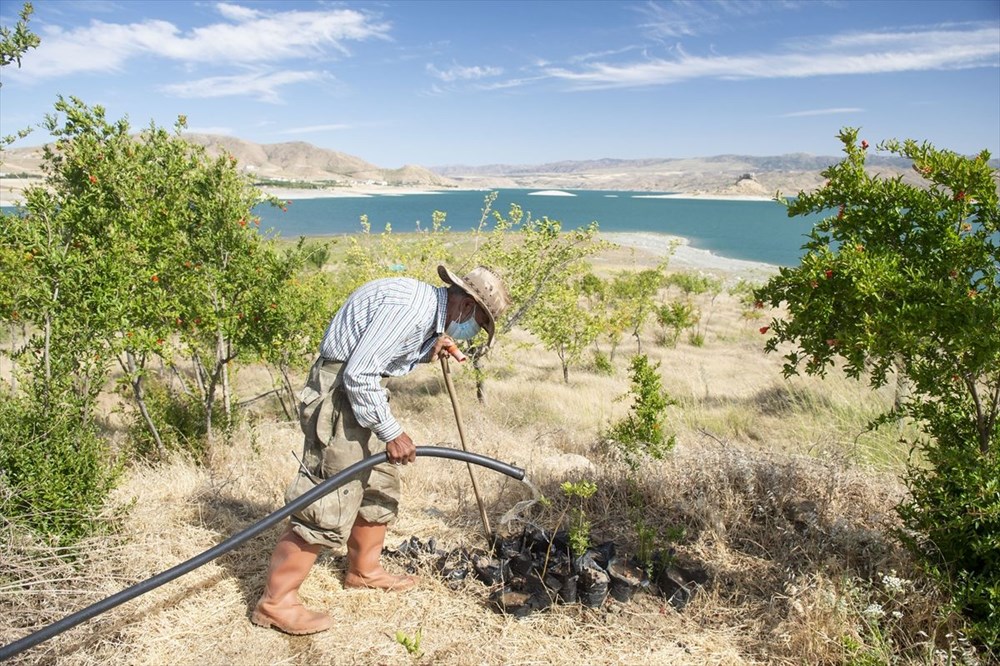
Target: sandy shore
(10, 193)
(374, 190)
(685, 257)
(706, 196)
(289, 194)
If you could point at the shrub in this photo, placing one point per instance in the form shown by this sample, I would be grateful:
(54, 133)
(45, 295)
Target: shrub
(675, 318)
(182, 423)
(602, 364)
(953, 521)
(641, 432)
(54, 473)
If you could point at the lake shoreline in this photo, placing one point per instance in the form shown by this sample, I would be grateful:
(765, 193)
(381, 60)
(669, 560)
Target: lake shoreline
(684, 257)
(291, 194)
(11, 192)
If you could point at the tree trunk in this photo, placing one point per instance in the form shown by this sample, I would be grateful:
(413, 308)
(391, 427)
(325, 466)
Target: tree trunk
(226, 394)
(292, 399)
(279, 392)
(199, 374)
(638, 343)
(209, 399)
(480, 379)
(13, 360)
(135, 379)
(180, 380)
(212, 384)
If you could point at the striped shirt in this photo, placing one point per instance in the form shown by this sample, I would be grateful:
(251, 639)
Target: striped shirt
(384, 329)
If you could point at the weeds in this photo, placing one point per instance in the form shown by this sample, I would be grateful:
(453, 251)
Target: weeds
(411, 643)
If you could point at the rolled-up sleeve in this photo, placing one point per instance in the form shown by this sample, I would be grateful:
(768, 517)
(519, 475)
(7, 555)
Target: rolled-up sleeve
(364, 369)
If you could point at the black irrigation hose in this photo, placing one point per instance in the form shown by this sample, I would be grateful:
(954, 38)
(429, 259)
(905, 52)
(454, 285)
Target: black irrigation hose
(324, 488)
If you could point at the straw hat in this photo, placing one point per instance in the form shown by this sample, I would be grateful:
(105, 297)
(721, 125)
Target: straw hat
(486, 288)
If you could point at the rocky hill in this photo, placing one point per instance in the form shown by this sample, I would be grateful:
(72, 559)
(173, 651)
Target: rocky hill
(738, 175)
(288, 162)
(300, 163)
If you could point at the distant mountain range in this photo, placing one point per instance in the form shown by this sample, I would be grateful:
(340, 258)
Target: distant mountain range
(789, 162)
(300, 163)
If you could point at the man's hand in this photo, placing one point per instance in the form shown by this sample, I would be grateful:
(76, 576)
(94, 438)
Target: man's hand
(401, 450)
(445, 347)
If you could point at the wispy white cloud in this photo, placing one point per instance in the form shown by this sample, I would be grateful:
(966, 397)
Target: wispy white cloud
(508, 84)
(311, 129)
(689, 18)
(857, 53)
(822, 112)
(678, 19)
(597, 55)
(244, 36)
(237, 12)
(463, 73)
(261, 85)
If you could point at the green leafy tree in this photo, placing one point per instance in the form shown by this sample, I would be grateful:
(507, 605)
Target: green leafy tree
(308, 298)
(143, 242)
(674, 318)
(388, 254)
(137, 246)
(118, 206)
(615, 317)
(13, 45)
(534, 256)
(634, 296)
(694, 285)
(594, 288)
(232, 281)
(642, 433)
(906, 279)
(564, 324)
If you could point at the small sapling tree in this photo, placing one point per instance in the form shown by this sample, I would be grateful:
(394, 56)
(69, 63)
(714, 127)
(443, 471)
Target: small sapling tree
(674, 318)
(534, 256)
(579, 526)
(641, 432)
(564, 325)
(634, 293)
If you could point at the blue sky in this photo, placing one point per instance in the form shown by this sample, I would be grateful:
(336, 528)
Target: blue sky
(438, 83)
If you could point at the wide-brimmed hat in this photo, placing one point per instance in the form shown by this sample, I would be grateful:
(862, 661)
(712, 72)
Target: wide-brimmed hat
(486, 288)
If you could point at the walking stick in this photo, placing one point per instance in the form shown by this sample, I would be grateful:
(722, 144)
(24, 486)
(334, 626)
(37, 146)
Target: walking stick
(461, 437)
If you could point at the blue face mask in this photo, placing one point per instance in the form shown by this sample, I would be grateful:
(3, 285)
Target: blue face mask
(464, 330)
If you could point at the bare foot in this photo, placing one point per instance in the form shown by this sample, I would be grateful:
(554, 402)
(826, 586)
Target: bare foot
(380, 580)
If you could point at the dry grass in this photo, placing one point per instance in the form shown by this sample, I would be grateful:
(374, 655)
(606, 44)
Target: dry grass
(773, 488)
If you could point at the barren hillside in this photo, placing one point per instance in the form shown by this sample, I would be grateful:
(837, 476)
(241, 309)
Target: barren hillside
(300, 162)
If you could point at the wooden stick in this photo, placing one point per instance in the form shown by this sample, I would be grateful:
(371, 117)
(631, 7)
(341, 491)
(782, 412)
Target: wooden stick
(461, 436)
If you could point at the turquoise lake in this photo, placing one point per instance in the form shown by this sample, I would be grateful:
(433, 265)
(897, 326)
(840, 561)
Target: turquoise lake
(750, 230)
